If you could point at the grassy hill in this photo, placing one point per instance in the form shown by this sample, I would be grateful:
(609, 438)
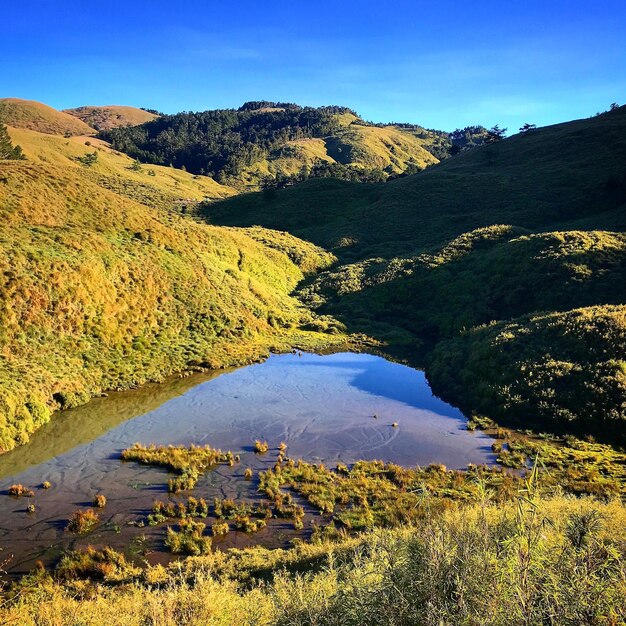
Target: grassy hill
(554, 371)
(567, 174)
(517, 229)
(40, 117)
(153, 186)
(114, 116)
(277, 142)
(98, 290)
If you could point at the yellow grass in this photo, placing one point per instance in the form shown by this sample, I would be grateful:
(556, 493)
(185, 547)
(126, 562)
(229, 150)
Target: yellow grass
(37, 116)
(111, 116)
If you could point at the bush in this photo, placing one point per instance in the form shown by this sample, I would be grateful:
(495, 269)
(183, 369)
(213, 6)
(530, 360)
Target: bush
(83, 522)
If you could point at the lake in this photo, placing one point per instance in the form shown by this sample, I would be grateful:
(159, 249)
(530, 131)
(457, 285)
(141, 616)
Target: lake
(338, 407)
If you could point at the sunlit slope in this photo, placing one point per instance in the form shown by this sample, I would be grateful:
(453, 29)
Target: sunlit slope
(568, 174)
(113, 116)
(40, 117)
(259, 145)
(153, 185)
(99, 292)
(388, 148)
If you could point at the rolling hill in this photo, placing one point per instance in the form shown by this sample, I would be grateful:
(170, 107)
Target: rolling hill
(510, 233)
(40, 117)
(272, 143)
(112, 116)
(154, 186)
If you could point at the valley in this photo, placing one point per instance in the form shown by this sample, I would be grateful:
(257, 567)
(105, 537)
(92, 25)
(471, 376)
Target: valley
(256, 286)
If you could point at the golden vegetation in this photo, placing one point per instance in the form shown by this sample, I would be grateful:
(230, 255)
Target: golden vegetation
(153, 186)
(100, 501)
(189, 539)
(40, 117)
(190, 462)
(19, 490)
(532, 561)
(261, 447)
(106, 117)
(83, 522)
(101, 292)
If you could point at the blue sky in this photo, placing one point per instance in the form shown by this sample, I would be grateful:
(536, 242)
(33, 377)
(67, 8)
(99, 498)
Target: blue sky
(442, 64)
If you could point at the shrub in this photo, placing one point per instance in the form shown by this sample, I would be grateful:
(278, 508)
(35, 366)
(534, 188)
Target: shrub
(100, 501)
(189, 539)
(220, 528)
(19, 490)
(83, 522)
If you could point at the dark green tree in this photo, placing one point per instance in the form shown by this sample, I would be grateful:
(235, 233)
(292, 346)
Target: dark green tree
(495, 133)
(7, 149)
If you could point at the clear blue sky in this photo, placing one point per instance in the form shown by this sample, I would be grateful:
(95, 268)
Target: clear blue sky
(441, 63)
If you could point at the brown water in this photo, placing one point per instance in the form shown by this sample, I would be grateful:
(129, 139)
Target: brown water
(323, 407)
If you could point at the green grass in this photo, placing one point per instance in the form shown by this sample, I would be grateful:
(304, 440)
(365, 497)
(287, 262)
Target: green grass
(566, 175)
(102, 292)
(528, 226)
(556, 371)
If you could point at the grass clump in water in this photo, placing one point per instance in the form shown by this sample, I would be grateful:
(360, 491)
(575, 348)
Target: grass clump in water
(19, 491)
(220, 529)
(100, 501)
(189, 539)
(83, 522)
(189, 462)
(261, 447)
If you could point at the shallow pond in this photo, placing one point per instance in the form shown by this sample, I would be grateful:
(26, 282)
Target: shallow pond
(338, 407)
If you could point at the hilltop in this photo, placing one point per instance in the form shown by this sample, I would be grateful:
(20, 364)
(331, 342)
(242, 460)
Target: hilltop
(503, 233)
(112, 116)
(40, 117)
(278, 144)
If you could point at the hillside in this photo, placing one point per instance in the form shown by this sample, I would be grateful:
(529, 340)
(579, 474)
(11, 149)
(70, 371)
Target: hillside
(565, 174)
(40, 117)
(154, 186)
(532, 224)
(277, 143)
(107, 117)
(100, 291)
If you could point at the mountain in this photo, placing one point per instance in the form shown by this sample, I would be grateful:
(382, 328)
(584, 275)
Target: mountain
(40, 117)
(467, 267)
(521, 233)
(113, 116)
(279, 143)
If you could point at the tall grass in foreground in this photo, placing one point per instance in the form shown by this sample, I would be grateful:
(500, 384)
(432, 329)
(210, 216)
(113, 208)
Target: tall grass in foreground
(532, 562)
